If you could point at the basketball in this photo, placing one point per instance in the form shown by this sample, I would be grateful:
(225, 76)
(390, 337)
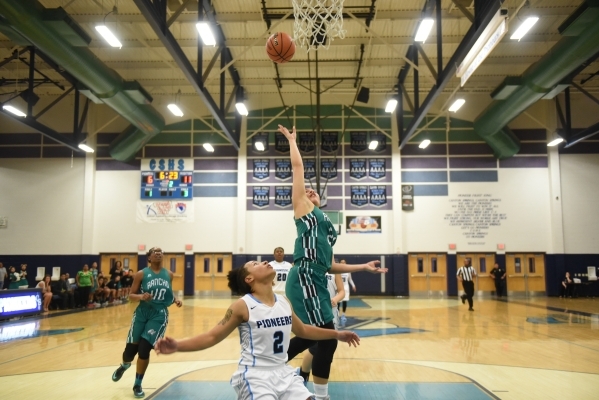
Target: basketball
(280, 47)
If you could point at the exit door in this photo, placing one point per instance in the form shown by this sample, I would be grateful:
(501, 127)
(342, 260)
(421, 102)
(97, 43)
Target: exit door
(176, 264)
(483, 263)
(428, 275)
(107, 261)
(211, 274)
(525, 274)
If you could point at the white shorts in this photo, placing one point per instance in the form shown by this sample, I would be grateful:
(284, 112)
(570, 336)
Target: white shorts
(346, 289)
(269, 384)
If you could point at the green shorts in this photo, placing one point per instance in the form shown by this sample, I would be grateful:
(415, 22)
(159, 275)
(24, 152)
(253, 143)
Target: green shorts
(307, 291)
(149, 323)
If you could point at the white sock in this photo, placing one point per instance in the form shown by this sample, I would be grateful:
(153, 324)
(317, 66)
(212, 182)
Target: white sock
(321, 391)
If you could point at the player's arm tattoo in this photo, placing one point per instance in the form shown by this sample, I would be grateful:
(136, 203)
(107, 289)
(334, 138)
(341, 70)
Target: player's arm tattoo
(227, 317)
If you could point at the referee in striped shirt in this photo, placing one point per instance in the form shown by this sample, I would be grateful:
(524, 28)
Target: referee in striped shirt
(466, 274)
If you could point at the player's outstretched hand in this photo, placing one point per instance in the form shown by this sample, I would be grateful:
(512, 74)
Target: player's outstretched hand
(178, 303)
(166, 345)
(285, 131)
(348, 337)
(373, 267)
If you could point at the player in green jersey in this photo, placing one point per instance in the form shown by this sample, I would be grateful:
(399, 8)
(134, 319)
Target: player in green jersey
(306, 286)
(152, 289)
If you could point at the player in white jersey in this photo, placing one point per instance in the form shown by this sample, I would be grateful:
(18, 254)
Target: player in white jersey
(337, 292)
(265, 322)
(347, 280)
(281, 268)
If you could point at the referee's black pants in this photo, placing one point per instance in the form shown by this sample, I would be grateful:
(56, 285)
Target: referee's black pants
(469, 289)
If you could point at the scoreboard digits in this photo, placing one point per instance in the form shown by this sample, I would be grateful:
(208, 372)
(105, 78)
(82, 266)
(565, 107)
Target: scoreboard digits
(167, 185)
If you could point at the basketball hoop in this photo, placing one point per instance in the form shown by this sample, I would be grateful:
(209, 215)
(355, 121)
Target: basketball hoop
(316, 21)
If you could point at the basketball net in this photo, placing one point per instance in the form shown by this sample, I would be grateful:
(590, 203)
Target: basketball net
(316, 21)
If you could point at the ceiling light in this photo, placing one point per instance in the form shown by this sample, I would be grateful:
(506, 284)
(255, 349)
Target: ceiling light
(208, 147)
(424, 144)
(175, 110)
(391, 104)
(555, 142)
(491, 36)
(241, 108)
(108, 36)
(373, 145)
(86, 148)
(456, 105)
(14, 110)
(206, 33)
(524, 28)
(424, 29)
(259, 146)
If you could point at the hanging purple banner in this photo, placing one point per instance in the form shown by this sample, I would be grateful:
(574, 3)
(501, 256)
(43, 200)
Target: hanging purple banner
(281, 143)
(283, 196)
(377, 168)
(306, 142)
(358, 141)
(330, 142)
(382, 139)
(357, 168)
(359, 195)
(282, 168)
(309, 168)
(378, 195)
(260, 198)
(328, 168)
(261, 168)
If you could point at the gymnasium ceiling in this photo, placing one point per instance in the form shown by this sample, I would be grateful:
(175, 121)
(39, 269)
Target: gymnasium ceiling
(144, 58)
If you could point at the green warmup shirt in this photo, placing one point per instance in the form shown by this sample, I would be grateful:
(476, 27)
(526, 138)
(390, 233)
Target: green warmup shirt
(85, 278)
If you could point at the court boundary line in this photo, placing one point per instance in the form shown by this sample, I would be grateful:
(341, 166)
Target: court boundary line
(550, 308)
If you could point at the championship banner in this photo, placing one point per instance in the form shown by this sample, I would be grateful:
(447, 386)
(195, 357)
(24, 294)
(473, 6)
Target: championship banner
(282, 169)
(407, 197)
(261, 168)
(260, 137)
(330, 142)
(165, 211)
(306, 142)
(377, 168)
(378, 195)
(357, 168)
(328, 168)
(358, 141)
(359, 195)
(281, 143)
(382, 139)
(283, 196)
(363, 224)
(261, 194)
(309, 168)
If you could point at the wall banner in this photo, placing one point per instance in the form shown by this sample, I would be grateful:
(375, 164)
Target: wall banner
(281, 143)
(261, 137)
(328, 168)
(363, 224)
(382, 139)
(359, 195)
(377, 168)
(260, 198)
(378, 195)
(357, 168)
(261, 168)
(282, 169)
(358, 141)
(283, 196)
(165, 211)
(407, 197)
(306, 142)
(330, 142)
(309, 168)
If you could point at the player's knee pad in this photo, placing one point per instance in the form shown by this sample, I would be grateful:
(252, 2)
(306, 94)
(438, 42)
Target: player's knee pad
(130, 352)
(144, 349)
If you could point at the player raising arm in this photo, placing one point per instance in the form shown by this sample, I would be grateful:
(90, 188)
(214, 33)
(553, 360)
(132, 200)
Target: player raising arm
(265, 322)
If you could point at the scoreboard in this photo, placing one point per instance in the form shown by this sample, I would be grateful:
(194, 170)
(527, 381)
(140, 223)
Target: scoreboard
(167, 185)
